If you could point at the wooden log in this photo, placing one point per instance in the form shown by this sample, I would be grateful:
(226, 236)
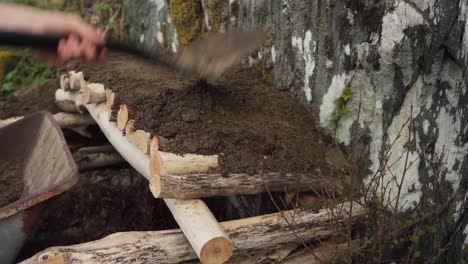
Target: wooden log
(76, 80)
(80, 130)
(191, 214)
(138, 137)
(170, 163)
(63, 119)
(170, 246)
(69, 101)
(97, 157)
(125, 114)
(93, 93)
(206, 185)
(97, 149)
(65, 82)
(72, 120)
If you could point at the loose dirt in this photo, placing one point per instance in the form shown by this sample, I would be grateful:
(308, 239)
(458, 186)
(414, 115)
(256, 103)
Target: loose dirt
(103, 202)
(11, 181)
(29, 100)
(250, 124)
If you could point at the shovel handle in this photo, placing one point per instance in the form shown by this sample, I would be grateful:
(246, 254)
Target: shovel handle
(30, 40)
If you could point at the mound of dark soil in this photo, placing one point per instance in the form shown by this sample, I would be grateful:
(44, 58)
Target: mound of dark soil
(250, 124)
(29, 100)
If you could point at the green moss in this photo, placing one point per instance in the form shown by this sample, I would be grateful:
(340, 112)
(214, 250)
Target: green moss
(188, 19)
(217, 13)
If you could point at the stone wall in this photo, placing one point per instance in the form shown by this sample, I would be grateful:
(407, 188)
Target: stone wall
(402, 59)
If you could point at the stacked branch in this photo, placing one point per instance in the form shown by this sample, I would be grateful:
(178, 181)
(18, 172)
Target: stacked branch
(90, 158)
(170, 246)
(206, 184)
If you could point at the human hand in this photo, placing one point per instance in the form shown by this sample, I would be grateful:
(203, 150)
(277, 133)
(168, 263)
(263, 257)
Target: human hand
(82, 41)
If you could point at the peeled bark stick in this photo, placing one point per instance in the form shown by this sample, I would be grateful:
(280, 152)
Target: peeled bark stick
(207, 185)
(71, 119)
(76, 80)
(170, 246)
(93, 93)
(91, 161)
(64, 120)
(124, 114)
(138, 137)
(10, 120)
(194, 218)
(69, 101)
(80, 130)
(65, 82)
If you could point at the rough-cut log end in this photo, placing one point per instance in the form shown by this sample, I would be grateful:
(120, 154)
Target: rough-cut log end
(138, 137)
(124, 114)
(154, 161)
(65, 82)
(155, 185)
(110, 98)
(93, 93)
(217, 250)
(76, 80)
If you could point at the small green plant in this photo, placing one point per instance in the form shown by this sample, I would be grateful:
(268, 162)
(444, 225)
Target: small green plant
(342, 103)
(28, 71)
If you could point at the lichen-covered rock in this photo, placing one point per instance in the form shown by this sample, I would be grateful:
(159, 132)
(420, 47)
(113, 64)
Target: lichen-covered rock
(402, 58)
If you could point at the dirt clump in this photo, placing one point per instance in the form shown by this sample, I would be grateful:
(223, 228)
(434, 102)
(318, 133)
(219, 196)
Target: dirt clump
(254, 127)
(29, 100)
(11, 181)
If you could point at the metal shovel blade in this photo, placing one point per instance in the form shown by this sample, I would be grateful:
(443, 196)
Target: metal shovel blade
(212, 55)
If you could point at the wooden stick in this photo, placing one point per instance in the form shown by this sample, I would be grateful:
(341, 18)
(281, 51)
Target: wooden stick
(93, 93)
(206, 185)
(80, 130)
(191, 215)
(71, 119)
(65, 82)
(76, 80)
(91, 161)
(63, 119)
(170, 246)
(124, 114)
(97, 149)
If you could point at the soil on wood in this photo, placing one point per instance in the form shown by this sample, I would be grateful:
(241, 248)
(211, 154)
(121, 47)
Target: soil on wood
(103, 202)
(252, 126)
(11, 181)
(29, 100)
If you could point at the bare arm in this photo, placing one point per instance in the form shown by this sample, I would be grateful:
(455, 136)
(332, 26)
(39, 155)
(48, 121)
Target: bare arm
(82, 38)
